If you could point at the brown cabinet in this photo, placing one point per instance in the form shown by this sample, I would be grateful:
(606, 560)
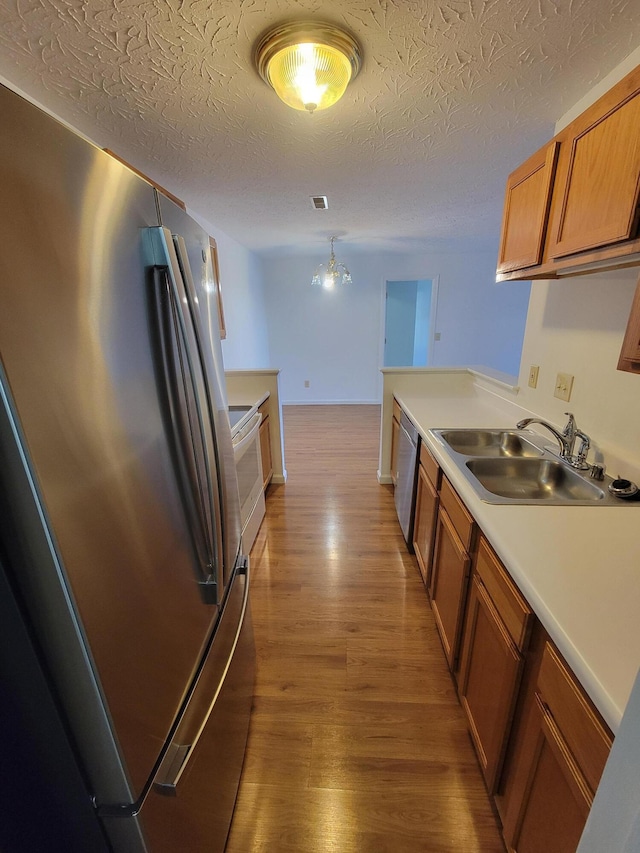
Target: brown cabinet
(395, 438)
(563, 753)
(496, 634)
(455, 536)
(594, 191)
(265, 444)
(597, 180)
(526, 209)
(426, 512)
(630, 353)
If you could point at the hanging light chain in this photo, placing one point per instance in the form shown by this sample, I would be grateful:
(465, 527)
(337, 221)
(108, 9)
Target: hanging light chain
(328, 275)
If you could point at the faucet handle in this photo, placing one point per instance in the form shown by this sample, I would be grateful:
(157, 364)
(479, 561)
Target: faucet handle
(579, 461)
(570, 428)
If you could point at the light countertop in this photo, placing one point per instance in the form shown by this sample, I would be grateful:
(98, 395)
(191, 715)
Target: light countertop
(237, 399)
(578, 566)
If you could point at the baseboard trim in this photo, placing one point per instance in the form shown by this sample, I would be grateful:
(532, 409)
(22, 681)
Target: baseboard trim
(385, 479)
(331, 402)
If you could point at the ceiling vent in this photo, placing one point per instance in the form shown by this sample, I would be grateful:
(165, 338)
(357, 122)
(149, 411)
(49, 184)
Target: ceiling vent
(319, 202)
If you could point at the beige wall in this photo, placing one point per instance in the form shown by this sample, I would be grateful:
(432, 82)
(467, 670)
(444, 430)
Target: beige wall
(576, 326)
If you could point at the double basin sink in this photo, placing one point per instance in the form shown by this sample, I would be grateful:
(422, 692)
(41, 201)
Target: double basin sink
(518, 467)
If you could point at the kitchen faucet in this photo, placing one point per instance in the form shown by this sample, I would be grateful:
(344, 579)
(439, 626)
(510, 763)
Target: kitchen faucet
(566, 439)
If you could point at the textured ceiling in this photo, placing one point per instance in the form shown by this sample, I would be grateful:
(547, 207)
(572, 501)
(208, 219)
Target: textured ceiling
(452, 95)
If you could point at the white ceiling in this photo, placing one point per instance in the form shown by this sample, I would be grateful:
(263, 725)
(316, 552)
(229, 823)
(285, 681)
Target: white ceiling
(452, 95)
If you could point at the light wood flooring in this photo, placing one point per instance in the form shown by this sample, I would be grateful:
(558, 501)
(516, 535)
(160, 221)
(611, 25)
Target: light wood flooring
(357, 742)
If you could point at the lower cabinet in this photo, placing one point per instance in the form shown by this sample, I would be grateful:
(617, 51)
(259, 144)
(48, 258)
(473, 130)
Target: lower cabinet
(496, 633)
(395, 438)
(450, 572)
(563, 752)
(540, 742)
(426, 512)
(265, 444)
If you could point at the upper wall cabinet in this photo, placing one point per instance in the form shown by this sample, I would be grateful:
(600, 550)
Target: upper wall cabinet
(630, 354)
(526, 208)
(584, 213)
(597, 183)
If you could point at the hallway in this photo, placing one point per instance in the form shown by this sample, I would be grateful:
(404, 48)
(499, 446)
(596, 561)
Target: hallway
(357, 741)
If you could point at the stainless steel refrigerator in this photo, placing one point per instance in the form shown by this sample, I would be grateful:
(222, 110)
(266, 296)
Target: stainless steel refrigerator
(119, 513)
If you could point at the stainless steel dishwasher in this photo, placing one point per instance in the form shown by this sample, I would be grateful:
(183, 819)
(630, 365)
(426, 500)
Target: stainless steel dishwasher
(405, 493)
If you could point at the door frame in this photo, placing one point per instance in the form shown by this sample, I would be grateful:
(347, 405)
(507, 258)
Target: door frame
(433, 319)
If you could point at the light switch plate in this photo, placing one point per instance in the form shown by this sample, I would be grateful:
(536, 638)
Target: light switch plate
(533, 375)
(564, 384)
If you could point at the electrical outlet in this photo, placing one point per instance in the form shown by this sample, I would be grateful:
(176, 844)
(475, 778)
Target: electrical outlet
(564, 384)
(533, 375)
(306, 383)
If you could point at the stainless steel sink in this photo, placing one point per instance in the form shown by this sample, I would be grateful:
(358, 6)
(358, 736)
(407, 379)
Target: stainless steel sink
(546, 481)
(512, 466)
(490, 442)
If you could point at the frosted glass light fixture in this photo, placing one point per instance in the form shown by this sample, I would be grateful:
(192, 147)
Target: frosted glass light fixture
(309, 64)
(328, 275)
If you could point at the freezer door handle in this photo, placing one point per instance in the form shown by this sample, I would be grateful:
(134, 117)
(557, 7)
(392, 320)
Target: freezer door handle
(187, 425)
(183, 744)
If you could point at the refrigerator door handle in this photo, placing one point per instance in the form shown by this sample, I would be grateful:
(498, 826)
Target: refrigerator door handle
(177, 379)
(163, 250)
(189, 288)
(177, 757)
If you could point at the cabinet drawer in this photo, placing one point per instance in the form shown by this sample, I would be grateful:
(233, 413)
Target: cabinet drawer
(507, 599)
(431, 467)
(586, 737)
(458, 513)
(397, 410)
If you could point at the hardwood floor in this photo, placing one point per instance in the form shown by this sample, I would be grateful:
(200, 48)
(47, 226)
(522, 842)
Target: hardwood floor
(357, 741)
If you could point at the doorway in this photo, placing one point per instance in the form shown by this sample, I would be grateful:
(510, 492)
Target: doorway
(409, 326)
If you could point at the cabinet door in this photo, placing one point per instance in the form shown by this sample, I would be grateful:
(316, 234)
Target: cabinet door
(395, 438)
(424, 528)
(555, 799)
(526, 208)
(557, 770)
(448, 588)
(490, 671)
(630, 353)
(265, 452)
(598, 177)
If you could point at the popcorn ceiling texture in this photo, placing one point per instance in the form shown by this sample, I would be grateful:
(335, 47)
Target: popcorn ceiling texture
(451, 97)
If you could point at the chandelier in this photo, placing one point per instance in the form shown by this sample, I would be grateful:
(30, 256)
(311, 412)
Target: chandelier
(328, 275)
(309, 64)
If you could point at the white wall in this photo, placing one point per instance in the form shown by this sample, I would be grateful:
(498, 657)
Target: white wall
(613, 824)
(246, 344)
(334, 339)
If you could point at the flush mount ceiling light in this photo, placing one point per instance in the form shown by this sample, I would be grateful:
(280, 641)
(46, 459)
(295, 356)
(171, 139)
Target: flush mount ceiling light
(328, 275)
(309, 64)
